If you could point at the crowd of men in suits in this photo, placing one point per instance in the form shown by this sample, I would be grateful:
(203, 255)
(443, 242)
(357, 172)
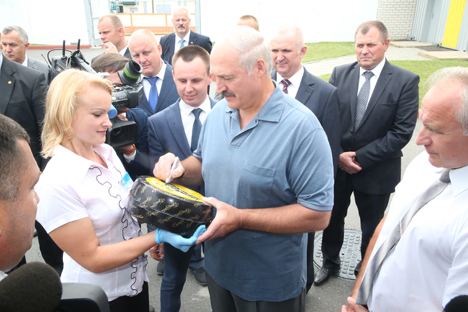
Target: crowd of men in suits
(366, 114)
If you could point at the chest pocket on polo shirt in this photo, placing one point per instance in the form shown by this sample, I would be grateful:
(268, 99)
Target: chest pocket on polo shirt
(256, 182)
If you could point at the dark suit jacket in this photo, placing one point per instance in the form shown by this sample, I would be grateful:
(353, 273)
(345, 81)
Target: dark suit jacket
(126, 54)
(140, 164)
(168, 44)
(167, 95)
(386, 127)
(166, 134)
(22, 99)
(39, 66)
(322, 99)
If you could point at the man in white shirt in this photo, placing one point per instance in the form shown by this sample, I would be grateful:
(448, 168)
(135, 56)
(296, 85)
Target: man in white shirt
(19, 174)
(428, 265)
(159, 88)
(112, 32)
(182, 36)
(15, 42)
(176, 130)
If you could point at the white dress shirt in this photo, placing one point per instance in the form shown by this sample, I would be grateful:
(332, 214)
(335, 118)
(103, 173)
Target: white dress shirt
(188, 117)
(177, 41)
(295, 80)
(122, 52)
(429, 265)
(373, 80)
(159, 82)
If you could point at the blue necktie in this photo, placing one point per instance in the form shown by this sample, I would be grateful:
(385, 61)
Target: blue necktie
(153, 95)
(196, 128)
(182, 41)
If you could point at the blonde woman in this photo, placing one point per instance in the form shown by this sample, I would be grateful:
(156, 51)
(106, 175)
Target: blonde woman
(84, 191)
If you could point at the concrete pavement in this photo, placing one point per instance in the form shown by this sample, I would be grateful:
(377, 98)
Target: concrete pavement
(329, 297)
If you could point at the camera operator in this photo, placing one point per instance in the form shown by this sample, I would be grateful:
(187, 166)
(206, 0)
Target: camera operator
(134, 157)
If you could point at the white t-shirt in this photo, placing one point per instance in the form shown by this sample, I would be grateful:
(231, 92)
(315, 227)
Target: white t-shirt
(429, 265)
(72, 188)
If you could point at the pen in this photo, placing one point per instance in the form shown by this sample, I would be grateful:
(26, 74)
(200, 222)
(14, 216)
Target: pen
(174, 165)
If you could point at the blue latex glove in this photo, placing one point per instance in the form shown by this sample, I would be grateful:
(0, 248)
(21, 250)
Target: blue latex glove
(177, 240)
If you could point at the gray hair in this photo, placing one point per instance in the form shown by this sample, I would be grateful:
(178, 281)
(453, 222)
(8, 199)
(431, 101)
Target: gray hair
(20, 30)
(12, 157)
(180, 8)
(251, 46)
(454, 75)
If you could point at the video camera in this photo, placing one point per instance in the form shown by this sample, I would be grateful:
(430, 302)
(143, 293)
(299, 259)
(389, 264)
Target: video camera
(122, 133)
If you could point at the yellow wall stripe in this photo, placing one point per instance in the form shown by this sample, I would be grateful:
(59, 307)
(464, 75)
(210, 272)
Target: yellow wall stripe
(453, 24)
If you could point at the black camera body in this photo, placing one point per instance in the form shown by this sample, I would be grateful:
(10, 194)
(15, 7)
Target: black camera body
(122, 133)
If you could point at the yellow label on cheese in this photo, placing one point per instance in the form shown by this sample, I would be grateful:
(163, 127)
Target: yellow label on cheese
(175, 189)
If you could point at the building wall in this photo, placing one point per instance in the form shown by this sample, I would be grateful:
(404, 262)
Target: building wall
(332, 20)
(398, 16)
(47, 22)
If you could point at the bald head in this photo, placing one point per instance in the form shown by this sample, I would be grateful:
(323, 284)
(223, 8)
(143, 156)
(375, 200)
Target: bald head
(287, 50)
(111, 30)
(292, 32)
(146, 50)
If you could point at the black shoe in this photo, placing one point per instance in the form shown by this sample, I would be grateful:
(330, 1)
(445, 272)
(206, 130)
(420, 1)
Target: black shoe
(160, 268)
(323, 275)
(200, 276)
(357, 268)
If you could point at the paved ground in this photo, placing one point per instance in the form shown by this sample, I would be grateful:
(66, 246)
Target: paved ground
(327, 298)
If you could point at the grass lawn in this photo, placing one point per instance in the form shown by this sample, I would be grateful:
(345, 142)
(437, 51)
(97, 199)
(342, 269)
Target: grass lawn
(423, 68)
(325, 50)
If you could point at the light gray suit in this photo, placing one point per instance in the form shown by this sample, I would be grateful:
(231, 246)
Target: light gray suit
(39, 66)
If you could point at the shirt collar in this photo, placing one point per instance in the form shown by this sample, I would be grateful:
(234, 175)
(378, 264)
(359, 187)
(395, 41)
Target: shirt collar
(122, 52)
(162, 71)
(458, 180)
(273, 108)
(1, 61)
(186, 38)
(186, 109)
(376, 70)
(25, 63)
(81, 165)
(295, 79)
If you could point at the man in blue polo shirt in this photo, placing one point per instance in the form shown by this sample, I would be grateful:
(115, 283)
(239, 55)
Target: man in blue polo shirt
(268, 171)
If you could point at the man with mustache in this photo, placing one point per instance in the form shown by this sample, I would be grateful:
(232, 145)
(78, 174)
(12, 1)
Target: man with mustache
(267, 168)
(182, 36)
(287, 50)
(378, 111)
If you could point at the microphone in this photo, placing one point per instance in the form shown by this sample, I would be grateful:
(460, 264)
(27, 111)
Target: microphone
(457, 304)
(33, 287)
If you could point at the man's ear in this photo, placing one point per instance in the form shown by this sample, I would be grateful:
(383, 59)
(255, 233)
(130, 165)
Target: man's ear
(261, 67)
